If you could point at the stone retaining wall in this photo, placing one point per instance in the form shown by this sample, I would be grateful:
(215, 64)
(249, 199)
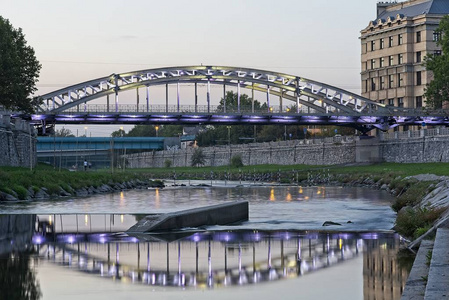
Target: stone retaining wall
(17, 143)
(415, 149)
(283, 153)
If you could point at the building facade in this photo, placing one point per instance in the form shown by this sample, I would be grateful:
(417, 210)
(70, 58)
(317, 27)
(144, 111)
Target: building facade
(393, 50)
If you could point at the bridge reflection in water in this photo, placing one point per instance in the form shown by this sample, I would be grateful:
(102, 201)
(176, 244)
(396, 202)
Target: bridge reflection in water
(96, 245)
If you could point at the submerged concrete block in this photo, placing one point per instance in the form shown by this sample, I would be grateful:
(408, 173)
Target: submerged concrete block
(221, 214)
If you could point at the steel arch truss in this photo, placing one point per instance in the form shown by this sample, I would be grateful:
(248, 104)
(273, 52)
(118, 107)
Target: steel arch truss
(317, 97)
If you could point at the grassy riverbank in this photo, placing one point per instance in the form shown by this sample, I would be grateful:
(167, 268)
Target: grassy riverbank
(408, 192)
(21, 182)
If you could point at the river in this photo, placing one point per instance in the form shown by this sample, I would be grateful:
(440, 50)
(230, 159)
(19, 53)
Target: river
(281, 251)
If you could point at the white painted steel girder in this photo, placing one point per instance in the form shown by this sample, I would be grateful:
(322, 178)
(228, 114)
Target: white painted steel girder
(318, 96)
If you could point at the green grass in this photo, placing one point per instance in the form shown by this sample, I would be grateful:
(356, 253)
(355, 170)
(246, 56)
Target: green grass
(21, 179)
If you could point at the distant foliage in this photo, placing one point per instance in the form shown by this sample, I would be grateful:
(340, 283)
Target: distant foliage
(236, 161)
(198, 158)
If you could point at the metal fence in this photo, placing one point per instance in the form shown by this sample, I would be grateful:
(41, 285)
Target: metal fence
(440, 131)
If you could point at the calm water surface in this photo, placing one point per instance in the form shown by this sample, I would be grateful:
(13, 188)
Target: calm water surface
(278, 253)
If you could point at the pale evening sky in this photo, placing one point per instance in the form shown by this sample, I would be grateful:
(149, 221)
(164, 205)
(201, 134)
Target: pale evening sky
(77, 40)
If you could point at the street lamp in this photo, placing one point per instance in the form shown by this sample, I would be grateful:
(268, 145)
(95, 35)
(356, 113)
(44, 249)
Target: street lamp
(229, 134)
(157, 129)
(85, 131)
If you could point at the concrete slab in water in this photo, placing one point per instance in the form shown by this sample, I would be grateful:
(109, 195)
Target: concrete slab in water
(221, 214)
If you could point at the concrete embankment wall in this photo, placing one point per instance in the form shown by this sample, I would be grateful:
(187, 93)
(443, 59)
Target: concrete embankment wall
(284, 153)
(17, 143)
(430, 145)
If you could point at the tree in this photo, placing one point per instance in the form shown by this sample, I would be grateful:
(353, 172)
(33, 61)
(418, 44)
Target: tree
(232, 102)
(118, 133)
(19, 69)
(64, 133)
(198, 158)
(437, 91)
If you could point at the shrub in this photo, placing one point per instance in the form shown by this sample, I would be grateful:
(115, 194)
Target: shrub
(22, 192)
(198, 158)
(236, 161)
(412, 222)
(168, 163)
(411, 196)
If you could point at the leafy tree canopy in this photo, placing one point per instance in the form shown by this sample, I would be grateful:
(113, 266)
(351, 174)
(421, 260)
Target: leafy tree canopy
(19, 69)
(150, 130)
(437, 91)
(231, 101)
(63, 132)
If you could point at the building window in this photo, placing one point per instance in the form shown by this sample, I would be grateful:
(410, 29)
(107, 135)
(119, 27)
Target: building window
(400, 39)
(401, 102)
(418, 56)
(382, 43)
(366, 85)
(390, 81)
(436, 36)
(418, 37)
(418, 78)
(391, 101)
(390, 41)
(400, 80)
(400, 59)
(373, 84)
(418, 101)
(382, 62)
(373, 64)
(382, 101)
(382, 83)
(390, 60)
(373, 45)
(437, 53)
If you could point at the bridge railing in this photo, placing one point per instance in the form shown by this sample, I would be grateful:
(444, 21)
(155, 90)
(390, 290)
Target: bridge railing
(233, 109)
(161, 108)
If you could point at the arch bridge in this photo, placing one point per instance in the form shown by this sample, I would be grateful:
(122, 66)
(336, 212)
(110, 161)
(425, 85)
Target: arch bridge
(301, 101)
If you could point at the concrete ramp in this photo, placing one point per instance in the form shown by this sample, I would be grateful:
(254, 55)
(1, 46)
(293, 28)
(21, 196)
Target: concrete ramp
(221, 214)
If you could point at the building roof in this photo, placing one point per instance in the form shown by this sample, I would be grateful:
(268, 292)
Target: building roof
(409, 9)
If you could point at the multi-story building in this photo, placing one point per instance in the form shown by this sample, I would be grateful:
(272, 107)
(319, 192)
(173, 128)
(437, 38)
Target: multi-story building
(393, 50)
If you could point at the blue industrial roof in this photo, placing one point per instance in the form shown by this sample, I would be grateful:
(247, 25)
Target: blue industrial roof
(428, 7)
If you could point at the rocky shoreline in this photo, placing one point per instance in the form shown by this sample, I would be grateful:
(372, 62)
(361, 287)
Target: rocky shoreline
(42, 193)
